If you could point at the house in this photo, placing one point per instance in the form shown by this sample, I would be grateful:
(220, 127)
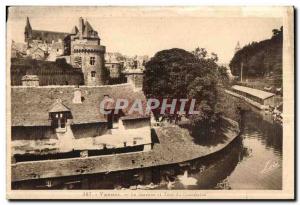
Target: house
(65, 121)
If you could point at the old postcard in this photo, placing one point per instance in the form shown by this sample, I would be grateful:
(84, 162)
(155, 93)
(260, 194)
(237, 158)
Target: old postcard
(150, 102)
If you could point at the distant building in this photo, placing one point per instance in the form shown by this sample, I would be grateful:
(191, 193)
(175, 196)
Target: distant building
(237, 47)
(137, 62)
(56, 105)
(81, 48)
(114, 63)
(18, 50)
(258, 97)
(135, 78)
(114, 68)
(55, 51)
(48, 37)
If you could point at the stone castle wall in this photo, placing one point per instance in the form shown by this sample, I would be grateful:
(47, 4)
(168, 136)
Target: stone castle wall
(93, 70)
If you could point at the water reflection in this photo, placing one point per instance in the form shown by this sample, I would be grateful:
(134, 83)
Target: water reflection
(263, 168)
(251, 161)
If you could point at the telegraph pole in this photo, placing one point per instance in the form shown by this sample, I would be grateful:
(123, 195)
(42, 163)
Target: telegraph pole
(242, 65)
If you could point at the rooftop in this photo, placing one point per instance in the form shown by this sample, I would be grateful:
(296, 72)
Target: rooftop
(30, 106)
(254, 92)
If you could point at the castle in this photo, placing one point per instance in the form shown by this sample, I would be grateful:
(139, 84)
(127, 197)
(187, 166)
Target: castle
(81, 48)
(57, 121)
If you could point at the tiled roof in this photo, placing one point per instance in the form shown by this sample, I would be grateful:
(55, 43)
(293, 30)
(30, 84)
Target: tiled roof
(30, 106)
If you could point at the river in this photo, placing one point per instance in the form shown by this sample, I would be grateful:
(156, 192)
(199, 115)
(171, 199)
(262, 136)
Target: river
(251, 161)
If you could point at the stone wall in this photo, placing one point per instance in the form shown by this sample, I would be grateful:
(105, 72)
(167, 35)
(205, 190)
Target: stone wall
(49, 73)
(83, 54)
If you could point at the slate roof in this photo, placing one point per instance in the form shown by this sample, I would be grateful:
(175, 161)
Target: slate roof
(74, 30)
(254, 92)
(58, 106)
(30, 106)
(48, 36)
(89, 32)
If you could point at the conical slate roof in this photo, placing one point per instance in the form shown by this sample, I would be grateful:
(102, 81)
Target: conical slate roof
(74, 30)
(28, 26)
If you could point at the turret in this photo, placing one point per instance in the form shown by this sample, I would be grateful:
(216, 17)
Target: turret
(135, 78)
(88, 54)
(28, 31)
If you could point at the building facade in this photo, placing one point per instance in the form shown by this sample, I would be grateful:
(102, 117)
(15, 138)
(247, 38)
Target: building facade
(65, 121)
(81, 48)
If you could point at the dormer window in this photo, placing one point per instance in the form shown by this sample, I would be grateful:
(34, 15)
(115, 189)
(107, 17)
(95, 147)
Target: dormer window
(59, 115)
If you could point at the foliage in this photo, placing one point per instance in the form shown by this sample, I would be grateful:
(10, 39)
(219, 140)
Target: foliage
(223, 75)
(176, 73)
(260, 59)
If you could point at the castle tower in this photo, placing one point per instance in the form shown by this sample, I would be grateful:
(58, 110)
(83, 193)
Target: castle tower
(87, 53)
(135, 78)
(28, 31)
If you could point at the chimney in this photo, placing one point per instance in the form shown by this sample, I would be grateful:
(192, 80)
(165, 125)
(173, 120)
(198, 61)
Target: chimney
(81, 26)
(77, 96)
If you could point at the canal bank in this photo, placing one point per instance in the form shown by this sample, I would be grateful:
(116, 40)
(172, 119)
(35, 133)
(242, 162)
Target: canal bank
(173, 145)
(243, 164)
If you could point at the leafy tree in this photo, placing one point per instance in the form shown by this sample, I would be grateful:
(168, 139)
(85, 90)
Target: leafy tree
(259, 58)
(176, 73)
(223, 75)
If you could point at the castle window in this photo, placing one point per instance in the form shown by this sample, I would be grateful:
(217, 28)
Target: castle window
(93, 74)
(92, 60)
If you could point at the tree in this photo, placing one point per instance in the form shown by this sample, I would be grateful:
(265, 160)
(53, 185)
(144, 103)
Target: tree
(223, 75)
(259, 58)
(176, 73)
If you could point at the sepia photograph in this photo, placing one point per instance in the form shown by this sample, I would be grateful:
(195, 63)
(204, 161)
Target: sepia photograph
(150, 102)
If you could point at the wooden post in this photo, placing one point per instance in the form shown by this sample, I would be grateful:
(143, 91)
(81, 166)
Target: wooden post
(242, 65)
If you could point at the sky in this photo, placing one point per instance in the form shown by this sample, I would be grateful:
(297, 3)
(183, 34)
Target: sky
(145, 31)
